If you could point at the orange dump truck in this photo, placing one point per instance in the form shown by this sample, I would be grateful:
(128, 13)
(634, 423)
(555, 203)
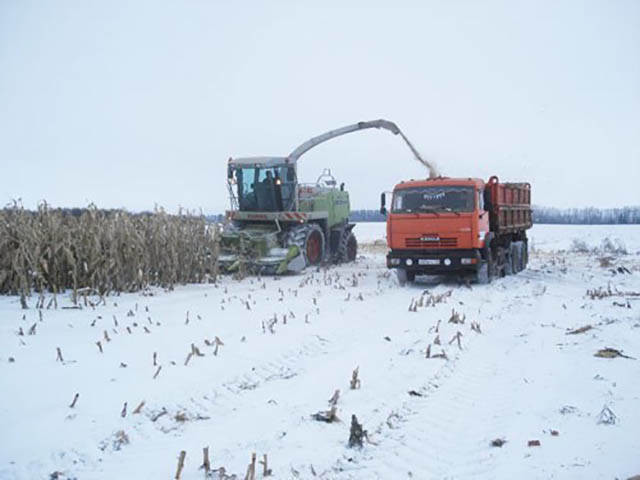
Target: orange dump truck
(458, 226)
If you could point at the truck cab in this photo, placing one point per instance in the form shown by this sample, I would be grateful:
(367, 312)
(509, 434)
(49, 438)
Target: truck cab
(444, 225)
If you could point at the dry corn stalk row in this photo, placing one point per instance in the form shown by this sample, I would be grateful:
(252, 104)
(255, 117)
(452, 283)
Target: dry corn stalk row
(92, 251)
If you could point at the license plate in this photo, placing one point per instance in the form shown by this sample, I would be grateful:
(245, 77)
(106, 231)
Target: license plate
(429, 239)
(429, 261)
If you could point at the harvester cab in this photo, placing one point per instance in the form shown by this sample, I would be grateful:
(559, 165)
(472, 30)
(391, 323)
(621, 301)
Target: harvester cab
(262, 184)
(277, 224)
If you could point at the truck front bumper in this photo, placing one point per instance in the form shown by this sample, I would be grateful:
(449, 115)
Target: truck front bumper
(434, 262)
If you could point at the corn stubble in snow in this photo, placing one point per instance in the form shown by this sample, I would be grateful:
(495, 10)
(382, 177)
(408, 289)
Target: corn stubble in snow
(101, 252)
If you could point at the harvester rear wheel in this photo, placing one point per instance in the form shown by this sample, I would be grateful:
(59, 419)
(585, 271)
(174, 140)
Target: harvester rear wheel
(347, 248)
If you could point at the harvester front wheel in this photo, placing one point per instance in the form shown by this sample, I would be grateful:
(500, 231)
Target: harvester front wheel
(314, 245)
(310, 240)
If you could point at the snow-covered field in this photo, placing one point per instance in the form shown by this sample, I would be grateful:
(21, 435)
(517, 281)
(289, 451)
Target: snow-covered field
(512, 373)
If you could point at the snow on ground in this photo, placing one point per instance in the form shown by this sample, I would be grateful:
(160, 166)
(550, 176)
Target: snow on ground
(290, 342)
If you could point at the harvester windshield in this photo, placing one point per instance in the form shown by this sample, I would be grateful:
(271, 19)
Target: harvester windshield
(433, 199)
(265, 189)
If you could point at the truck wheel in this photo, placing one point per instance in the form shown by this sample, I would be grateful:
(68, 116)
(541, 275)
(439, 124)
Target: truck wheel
(484, 275)
(347, 248)
(508, 262)
(517, 256)
(404, 276)
(522, 255)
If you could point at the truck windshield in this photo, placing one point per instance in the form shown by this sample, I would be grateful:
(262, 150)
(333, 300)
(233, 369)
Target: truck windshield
(433, 199)
(265, 189)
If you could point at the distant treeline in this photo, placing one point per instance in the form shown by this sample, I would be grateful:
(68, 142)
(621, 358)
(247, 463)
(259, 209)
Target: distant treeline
(366, 216)
(587, 216)
(574, 216)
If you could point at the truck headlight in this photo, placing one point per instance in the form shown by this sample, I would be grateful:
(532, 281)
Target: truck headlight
(408, 262)
(394, 261)
(447, 261)
(467, 261)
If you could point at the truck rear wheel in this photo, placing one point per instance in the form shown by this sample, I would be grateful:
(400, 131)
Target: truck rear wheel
(508, 262)
(515, 259)
(518, 257)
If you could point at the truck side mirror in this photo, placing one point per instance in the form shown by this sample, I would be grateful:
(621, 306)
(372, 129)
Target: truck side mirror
(229, 172)
(383, 209)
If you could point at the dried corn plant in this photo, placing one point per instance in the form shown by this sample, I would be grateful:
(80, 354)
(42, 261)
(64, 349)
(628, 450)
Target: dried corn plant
(92, 251)
(601, 292)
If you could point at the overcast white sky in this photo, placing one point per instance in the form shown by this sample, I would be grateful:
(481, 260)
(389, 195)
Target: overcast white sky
(133, 103)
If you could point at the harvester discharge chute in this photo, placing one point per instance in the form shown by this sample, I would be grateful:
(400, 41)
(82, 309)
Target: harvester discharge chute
(278, 225)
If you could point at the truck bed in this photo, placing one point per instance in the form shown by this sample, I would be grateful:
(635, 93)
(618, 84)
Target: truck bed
(509, 206)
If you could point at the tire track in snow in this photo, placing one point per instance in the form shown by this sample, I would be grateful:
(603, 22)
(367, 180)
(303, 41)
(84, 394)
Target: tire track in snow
(229, 394)
(442, 436)
(283, 367)
(447, 433)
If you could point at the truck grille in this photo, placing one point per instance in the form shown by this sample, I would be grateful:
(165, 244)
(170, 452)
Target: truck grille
(439, 243)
